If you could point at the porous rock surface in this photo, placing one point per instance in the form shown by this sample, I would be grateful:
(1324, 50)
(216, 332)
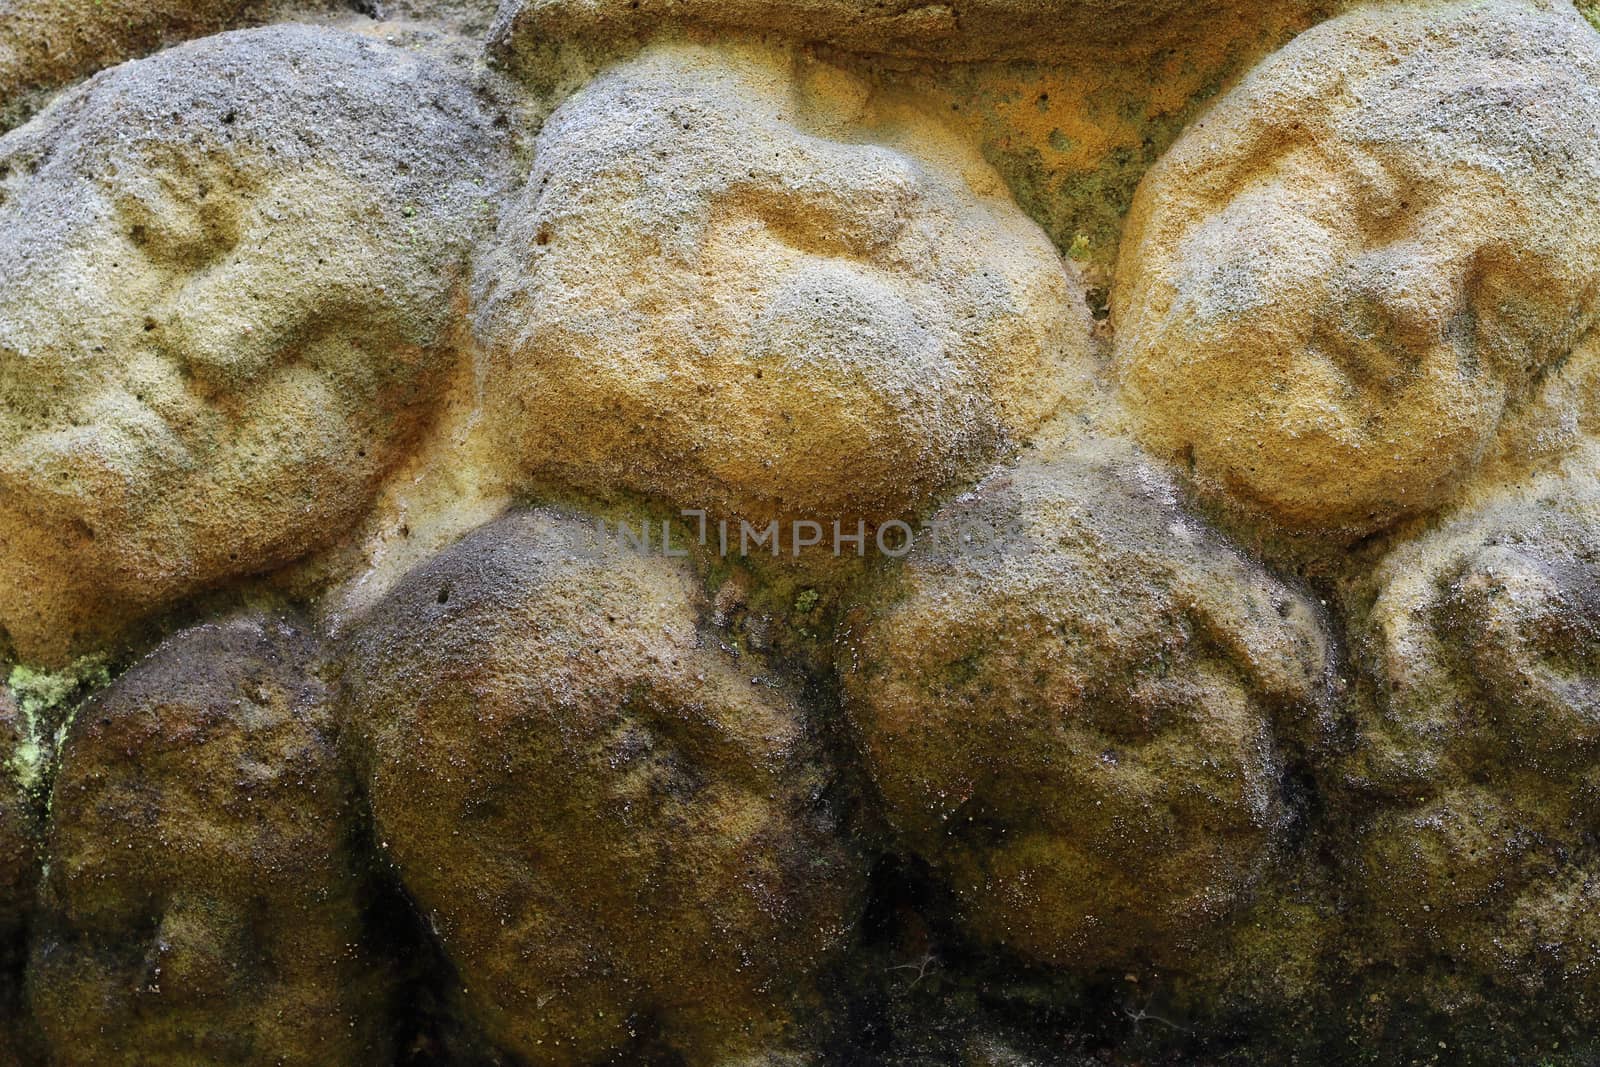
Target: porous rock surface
(230, 271)
(915, 29)
(617, 830)
(1484, 641)
(735, 281)
(1339, 280)
(1080, 721)
(203, 897)
(1226, 690)
(44, 44)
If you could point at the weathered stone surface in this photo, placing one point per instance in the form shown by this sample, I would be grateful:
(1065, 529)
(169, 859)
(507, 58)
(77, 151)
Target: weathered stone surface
(20, 857)
(962, 30)
(203, 898)
(1484, 747)
(45, 44)
(229, 274)
(1340, 279)
(19, 852)
(1272, 737)
(1078, 725)
(737, 281)
(616, 830)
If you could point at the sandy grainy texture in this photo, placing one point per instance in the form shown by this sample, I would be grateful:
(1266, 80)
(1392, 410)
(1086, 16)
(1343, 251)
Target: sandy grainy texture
(618, 831)
(1215, 680)
(1337, 282)
(1077, 724)
(737, 282)
(960, 30)
(45, 44)
(230, 272)
(1484, 640)
(202, 903)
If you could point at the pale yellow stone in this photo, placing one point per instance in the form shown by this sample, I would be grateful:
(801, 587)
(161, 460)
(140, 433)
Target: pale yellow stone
(1342, 277)
(737, 280)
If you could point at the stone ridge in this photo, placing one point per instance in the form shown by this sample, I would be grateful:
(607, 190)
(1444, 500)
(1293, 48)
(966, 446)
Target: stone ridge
(960, 30)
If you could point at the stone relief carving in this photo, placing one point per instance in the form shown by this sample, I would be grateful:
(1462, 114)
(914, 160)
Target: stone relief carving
(220, 323)
(683, 868)
(1081, 726)
(1207, 671)
(1340, 281)
(735, 281)
(203, 896)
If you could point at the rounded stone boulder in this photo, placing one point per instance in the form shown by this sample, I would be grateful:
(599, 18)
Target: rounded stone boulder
(1479, 761)
(736, 280)
(203, 901)
(1075, 701)
(619, 833)
(1344, 275)
(229, 276)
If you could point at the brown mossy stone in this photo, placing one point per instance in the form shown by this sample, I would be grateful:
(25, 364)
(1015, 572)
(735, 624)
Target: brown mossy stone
(20, 858)
(1083, 724)
(203, 901)
(1133, 799)
(45, 44)
(1468, 805)
(619, 832)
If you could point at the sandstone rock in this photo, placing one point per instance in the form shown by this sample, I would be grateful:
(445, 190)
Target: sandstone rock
(229, 275)
(45, 44)
(1497, 610)
(202, 901)
(1077, 725)
(736, 281)
(284, 313)
(1342, 277)
(1484, 745)
(960, 30)
(614, 828)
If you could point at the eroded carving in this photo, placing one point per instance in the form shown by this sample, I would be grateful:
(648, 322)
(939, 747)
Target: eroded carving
(229, 279)
(1340, 279)
(204, 896)
(286, 312)
(619, 832)
(1078, 724)
(736, 282)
